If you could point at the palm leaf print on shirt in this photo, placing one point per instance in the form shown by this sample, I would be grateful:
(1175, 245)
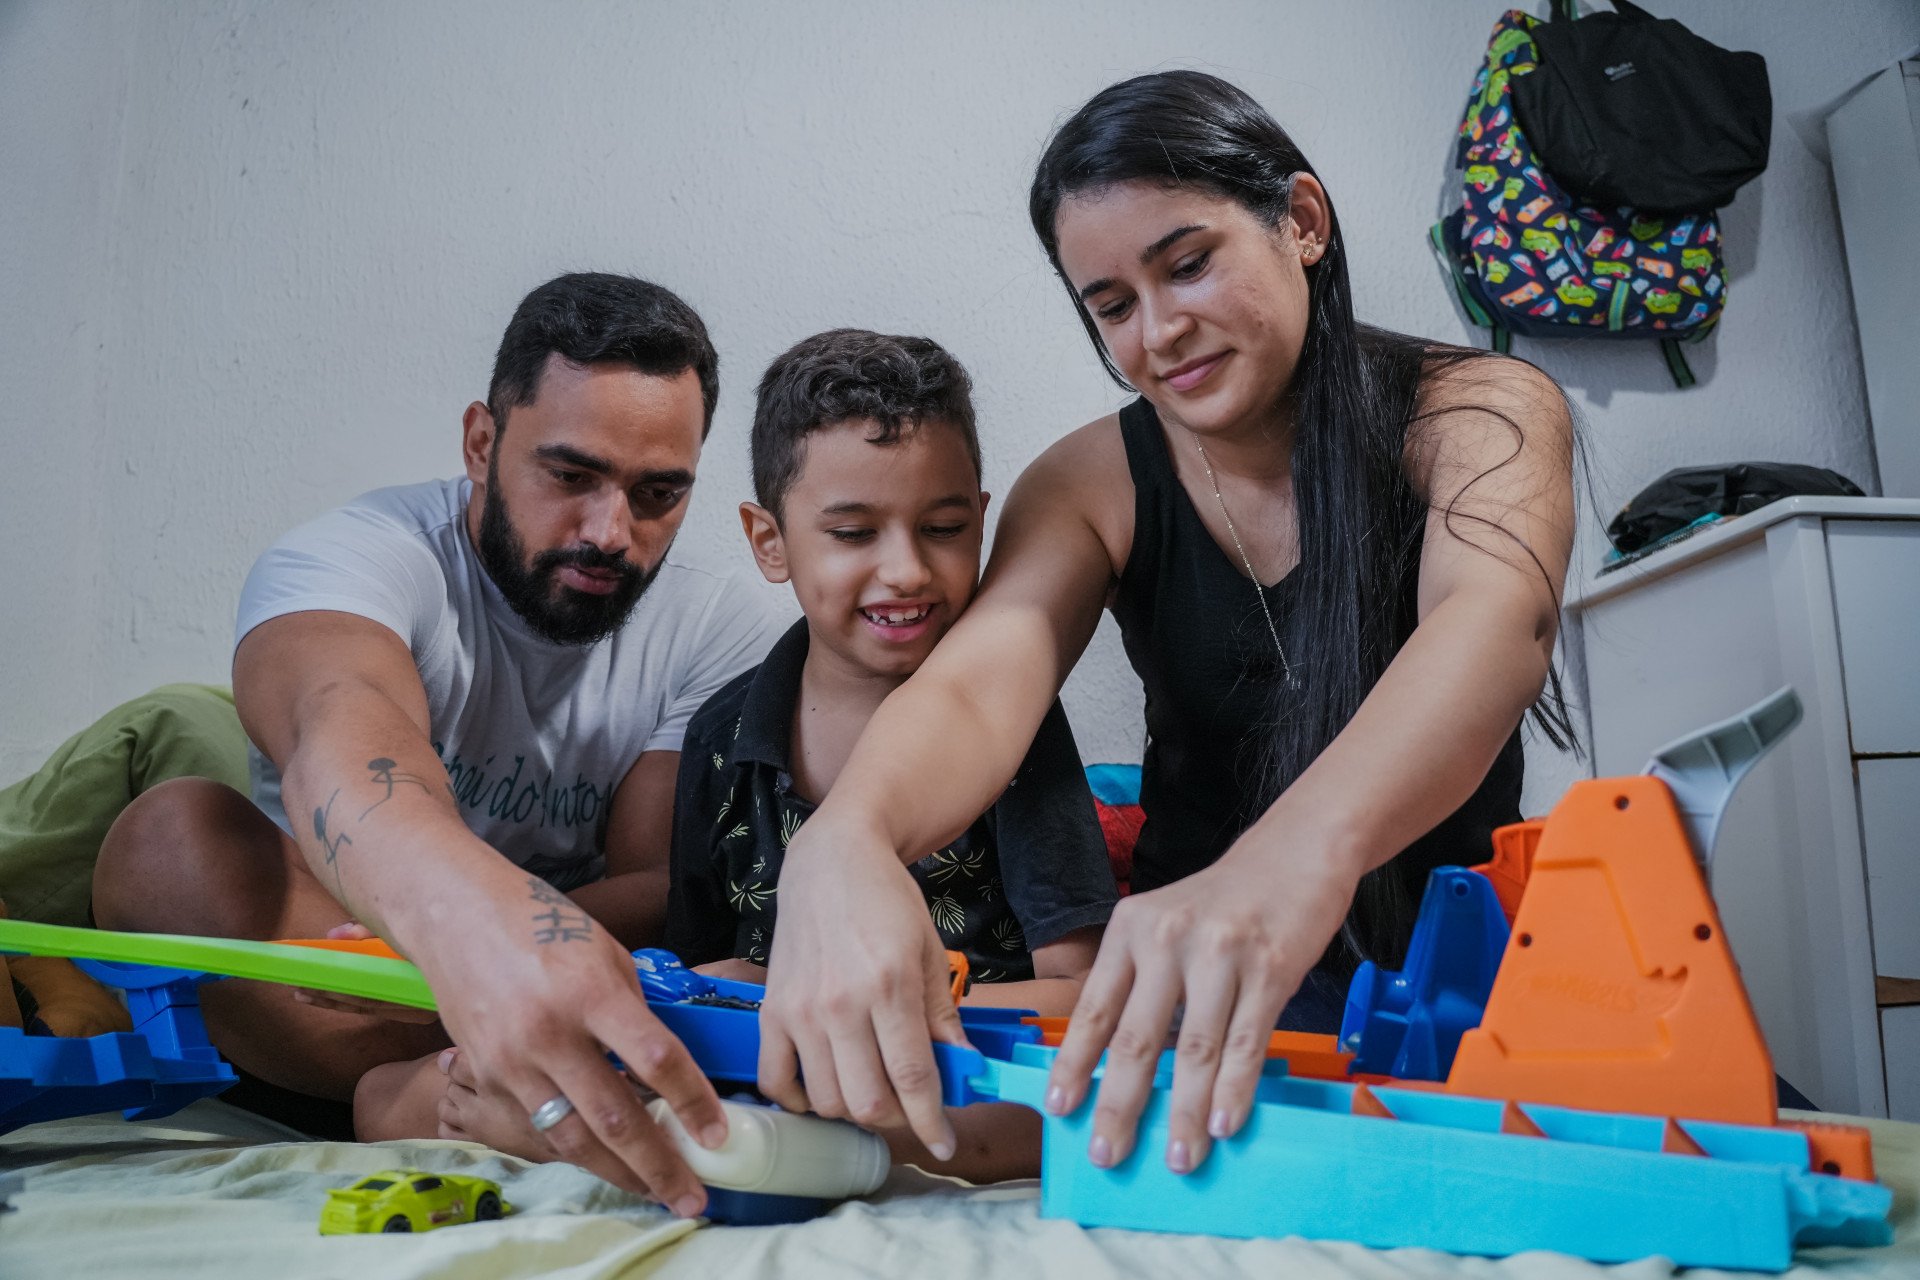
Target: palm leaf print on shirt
(948, 915)
(947, 863)
(751, 896)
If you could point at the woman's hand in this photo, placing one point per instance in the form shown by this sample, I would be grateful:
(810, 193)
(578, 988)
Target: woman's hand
(857, 990)
(535, 994)
(1227, 947)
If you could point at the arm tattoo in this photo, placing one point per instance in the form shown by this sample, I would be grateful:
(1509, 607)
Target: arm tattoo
(562, 921)
(331, 843)
(386, 771)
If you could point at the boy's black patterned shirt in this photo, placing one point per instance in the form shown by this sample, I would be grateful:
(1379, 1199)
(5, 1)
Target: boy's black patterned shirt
(1030, 870)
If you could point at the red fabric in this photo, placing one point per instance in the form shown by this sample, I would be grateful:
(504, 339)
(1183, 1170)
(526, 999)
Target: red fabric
(1120, 824)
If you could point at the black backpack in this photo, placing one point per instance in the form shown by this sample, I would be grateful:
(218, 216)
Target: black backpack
(1629, 109)
(1689, 495)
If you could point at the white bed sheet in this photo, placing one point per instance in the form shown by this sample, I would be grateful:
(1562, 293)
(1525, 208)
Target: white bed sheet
(215, 1193)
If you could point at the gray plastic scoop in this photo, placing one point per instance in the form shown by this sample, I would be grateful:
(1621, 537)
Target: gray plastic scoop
(1703, 768)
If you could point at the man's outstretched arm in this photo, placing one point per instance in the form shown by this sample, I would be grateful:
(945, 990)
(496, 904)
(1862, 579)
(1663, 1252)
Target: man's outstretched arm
(528, 984)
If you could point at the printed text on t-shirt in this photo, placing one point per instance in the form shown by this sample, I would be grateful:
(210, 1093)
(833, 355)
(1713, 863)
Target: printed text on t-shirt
(504, 796)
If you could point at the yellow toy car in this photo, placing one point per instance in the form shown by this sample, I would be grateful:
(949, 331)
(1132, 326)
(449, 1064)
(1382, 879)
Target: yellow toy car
(410, 1200)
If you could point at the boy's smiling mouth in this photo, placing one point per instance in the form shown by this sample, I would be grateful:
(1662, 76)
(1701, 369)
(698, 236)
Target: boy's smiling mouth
(896, 615)
(907, 620)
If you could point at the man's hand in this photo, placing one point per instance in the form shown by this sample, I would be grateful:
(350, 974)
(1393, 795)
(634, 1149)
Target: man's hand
(536, 995)
(857, 989)
(532, 989)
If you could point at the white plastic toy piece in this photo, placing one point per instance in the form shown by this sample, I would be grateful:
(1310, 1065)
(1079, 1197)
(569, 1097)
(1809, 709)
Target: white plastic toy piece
(781, 1153)
(1703, 768)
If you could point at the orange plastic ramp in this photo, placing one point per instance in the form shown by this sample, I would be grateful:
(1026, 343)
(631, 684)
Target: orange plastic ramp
(1617, 991)
(359, 946)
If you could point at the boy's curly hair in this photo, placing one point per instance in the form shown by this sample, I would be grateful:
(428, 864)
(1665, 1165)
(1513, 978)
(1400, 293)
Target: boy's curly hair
(853, 375)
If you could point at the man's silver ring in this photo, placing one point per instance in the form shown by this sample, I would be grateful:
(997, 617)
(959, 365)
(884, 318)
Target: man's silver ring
(550, 1113)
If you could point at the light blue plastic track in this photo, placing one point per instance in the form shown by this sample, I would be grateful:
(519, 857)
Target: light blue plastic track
(1442, 1175)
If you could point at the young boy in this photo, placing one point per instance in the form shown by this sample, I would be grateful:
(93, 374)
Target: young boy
(867, 470)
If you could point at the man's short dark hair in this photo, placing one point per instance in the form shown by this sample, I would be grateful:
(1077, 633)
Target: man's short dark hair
(594, 317)
(852, 375)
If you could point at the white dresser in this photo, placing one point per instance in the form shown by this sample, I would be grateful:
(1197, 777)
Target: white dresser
(1817, 871)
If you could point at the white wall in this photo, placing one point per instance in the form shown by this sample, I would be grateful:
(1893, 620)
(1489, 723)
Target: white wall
(254, 258)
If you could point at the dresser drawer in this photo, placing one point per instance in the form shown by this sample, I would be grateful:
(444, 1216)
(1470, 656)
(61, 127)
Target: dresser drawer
(1900, 1047)
(1876, 599)
(1890, 830)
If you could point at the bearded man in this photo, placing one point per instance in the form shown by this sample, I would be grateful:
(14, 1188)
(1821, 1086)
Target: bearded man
(466, 700)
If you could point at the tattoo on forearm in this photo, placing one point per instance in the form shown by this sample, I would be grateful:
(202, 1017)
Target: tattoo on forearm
(331, 843)
(388, 773)
(562, 921)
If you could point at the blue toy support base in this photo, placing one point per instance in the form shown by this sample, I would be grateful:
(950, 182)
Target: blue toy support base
(160, 1066)
(1408, 1024)
(53, 1077)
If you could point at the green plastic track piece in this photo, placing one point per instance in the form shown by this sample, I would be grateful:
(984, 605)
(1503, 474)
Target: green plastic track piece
(342, 972)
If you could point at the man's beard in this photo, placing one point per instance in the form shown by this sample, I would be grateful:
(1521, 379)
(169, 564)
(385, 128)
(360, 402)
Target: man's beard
(555, 611)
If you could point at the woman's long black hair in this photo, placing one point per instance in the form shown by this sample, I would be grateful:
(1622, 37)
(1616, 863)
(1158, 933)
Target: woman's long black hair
(1361, 522)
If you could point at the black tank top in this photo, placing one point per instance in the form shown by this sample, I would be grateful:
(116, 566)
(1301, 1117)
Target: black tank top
(1196, 636)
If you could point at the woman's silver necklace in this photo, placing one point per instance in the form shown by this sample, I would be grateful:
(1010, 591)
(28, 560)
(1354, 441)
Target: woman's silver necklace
(1260, 592)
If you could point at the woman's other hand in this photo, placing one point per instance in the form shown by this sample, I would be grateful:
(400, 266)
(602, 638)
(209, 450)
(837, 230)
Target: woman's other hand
(1228, 947)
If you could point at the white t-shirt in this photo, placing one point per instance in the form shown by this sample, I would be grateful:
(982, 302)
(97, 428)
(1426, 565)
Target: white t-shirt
(534, 735)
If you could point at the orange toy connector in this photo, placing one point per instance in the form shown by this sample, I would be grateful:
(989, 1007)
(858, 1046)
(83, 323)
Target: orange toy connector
(1844, 1149)
(1317, 1057)
(957, 973)
(1512, 863)
(1617, 991)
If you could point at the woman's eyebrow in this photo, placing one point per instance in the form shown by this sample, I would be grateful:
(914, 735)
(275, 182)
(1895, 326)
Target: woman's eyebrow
(1167, 241)
(1147, 255)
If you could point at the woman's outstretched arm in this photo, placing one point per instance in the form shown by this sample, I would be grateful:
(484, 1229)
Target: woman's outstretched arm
(857, 976)
(1231, 944)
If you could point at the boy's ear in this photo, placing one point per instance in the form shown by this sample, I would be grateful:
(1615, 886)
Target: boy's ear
(985, 498)
(478, 435)
(763, 535)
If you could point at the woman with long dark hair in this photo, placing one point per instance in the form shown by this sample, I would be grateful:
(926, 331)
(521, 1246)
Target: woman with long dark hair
(1335, 555)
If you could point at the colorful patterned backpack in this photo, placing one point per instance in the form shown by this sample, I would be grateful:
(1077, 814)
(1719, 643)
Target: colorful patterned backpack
(1526, 258)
